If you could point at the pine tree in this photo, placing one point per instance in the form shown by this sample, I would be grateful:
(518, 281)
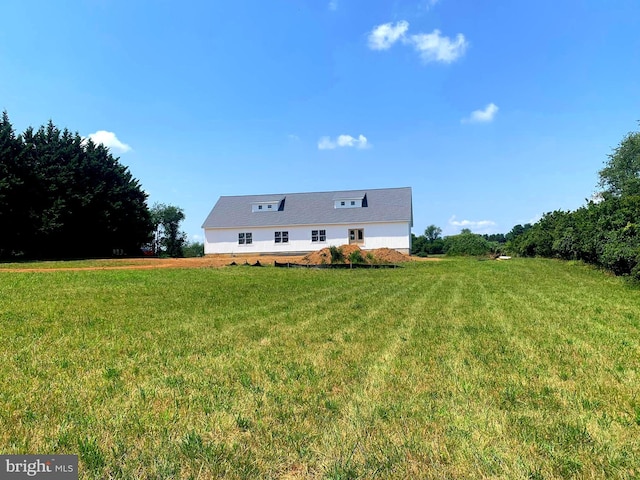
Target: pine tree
(10, 184)
(64, 197)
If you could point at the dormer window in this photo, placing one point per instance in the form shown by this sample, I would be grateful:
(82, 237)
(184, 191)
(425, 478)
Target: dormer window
(267, 206)
(352, 202)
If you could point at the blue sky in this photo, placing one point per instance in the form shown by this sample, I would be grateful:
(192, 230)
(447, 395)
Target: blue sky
(494, 112)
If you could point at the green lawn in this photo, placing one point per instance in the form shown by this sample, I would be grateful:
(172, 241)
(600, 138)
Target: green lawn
(57, 264)
(451, 369)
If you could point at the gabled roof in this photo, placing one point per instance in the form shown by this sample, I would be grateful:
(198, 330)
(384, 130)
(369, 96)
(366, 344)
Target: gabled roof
(317, 208)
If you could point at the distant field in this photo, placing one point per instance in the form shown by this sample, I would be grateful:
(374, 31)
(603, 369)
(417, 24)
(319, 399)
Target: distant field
(452, 369)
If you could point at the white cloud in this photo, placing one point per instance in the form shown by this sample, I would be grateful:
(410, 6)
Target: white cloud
(433, 47)
(293, 137)
(384, 36)
(476, 226)
(349, 141)
(428, 4)
(333, 5)
(482, 116)
(325, 143)
(109, 140)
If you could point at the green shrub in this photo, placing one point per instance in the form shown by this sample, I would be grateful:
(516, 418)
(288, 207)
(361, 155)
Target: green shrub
(336, 254)
(467, 244)
(621, 250)
(356, 257)
(195, 249)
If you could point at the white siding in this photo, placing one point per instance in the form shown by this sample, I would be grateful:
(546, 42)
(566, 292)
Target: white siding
(395, 235)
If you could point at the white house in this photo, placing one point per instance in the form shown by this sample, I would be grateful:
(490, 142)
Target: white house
(294, 223)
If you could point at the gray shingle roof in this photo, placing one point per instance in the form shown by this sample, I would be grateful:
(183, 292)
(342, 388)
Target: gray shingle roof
(317, 208)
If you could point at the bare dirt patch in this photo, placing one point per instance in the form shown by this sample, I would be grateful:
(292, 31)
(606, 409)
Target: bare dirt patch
(211, 261)
(381, 255)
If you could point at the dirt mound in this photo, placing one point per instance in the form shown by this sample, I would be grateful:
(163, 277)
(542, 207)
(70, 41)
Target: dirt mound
(319, 257)
(380, 255)
(389, 255)
(323, 256)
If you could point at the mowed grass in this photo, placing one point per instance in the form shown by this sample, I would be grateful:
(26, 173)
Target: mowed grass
(58, 264)
(451, 369)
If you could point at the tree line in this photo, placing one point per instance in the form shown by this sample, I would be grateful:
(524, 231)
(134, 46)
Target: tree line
(465, 243)
(63, 196)
(605, 232)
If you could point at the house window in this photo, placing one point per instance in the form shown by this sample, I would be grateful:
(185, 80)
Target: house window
(281, 237)
(269, 206)
(356, 235)
(353, 202)
(318, 235)
(259, 207)
(342, 204)
(245, 238)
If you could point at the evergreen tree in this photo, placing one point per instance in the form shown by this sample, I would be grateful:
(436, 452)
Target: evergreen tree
(11, 183)
(63, 197)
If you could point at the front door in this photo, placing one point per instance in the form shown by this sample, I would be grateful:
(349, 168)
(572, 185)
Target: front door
(356, 236)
